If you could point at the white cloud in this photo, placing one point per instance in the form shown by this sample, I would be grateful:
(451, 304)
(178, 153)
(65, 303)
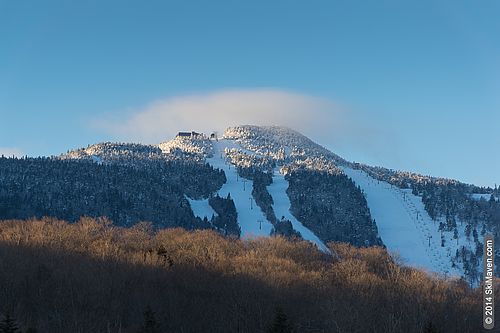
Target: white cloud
(218, 110)
(323, 120)
(9, 152)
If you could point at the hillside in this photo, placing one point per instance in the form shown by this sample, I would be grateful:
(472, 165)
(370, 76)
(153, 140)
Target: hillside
(91, 276)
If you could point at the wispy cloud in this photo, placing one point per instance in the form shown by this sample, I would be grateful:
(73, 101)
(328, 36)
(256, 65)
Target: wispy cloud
(216, 111)
(320, 118)
(10, 151)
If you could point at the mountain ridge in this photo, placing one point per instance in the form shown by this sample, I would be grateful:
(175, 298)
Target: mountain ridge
(321, 194)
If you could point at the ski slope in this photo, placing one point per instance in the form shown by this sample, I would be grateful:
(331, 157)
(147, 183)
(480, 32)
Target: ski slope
(480, 196)
(251, 219)
(404, 225)
(282, 206)
(201, 208)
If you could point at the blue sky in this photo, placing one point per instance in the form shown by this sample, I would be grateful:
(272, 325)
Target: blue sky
(412, 85)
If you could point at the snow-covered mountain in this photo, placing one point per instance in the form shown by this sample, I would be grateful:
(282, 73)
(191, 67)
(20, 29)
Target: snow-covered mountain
(251, 217)
(260, 181)
(444, 241)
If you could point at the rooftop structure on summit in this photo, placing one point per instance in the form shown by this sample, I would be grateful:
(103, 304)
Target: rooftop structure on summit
(191, 134)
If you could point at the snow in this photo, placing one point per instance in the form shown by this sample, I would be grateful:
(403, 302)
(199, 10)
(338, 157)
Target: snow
(479, 196)
(282, 205)
(251, 219)
(96, 159)
(278, 142)
(201, 208)
(241, 192)
(197, 145)
(232, 144)
(405, 226)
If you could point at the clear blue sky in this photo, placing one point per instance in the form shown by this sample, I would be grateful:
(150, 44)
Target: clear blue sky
(426, 73)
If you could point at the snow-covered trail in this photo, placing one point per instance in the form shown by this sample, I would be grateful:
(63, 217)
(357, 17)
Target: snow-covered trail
(251, 219)
(201, 208)
(403, 224)
(282, 206)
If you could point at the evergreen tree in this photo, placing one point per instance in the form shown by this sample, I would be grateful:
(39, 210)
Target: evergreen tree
(280, 323)
(8, 325)
(430, 328)
(150, 324)
(468, 229)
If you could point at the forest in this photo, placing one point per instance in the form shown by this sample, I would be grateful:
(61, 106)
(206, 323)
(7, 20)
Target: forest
(332, 206)
(124, 192)
(92, 276)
